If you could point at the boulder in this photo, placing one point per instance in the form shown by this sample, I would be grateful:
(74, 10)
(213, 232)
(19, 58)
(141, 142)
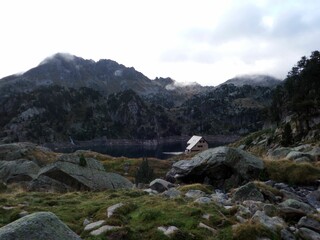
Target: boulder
(203, 200)
(171, 193)
(278, 153)
(287, 235)
(113, 208)
(46, 184)
(195, 194)
(271, 223)
(103, 229)
(313, 199)
(67, 170)
(40, 225)
(168, 231)
(291, 208)
(20, 150)
(94, 225)
(293, 155)
(247, 192)
(310, 223)
(308, 234)
(160, 185)
(222, 167)
(18, 170)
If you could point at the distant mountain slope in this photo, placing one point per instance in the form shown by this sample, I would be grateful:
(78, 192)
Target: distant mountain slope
(254, 80)
(70, 96)
(65, 70)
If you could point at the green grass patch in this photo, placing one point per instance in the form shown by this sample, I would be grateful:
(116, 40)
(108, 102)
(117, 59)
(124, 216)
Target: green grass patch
(139, 217)
(197, 186)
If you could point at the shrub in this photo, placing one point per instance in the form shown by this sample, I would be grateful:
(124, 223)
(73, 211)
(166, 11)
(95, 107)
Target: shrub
(82, 161)
(249, 231)
(144, 173)
(292, 172)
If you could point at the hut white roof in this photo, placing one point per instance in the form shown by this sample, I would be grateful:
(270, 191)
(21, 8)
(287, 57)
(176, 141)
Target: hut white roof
(193, 141)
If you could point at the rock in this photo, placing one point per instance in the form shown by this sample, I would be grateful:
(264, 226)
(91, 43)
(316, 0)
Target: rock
(46, 184)
(294, 209)
(168, 231)
(310, 223)
(195, 194)
(296, 155)
(113, 208)
(202, 225)
(287, 235)
(171, 193)
(103, 229)
(160, 185)
(302, 159)
(270, 210)
(15, 151)
(203, 200)
(94, 225)
(247, 192)
(244, 212)
(18, 170)
(308, 234)
(150, 191)
(219, 197)
(23, 214)
(69, 173)
(290, 195)
(40, 225)
(86, 221)
(222, 167)
(278, 153)
(315, 153)
(272, 223)
(253, 206)
(313, 199)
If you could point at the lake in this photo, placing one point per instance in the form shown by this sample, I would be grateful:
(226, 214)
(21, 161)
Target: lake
(137, 151)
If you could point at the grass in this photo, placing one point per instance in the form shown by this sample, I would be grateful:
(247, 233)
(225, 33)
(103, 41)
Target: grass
(119, 164)
(251, 231)
(139, 218)
(291, 172)
(196, 186)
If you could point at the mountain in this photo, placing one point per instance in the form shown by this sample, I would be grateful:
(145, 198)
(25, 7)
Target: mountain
(67, 96)
(254, 80)
(65, 70)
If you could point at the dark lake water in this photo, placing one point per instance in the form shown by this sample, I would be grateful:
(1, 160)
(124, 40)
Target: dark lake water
(136, 151)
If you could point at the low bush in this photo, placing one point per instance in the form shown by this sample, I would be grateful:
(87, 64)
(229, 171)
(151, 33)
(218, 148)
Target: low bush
(291, 172)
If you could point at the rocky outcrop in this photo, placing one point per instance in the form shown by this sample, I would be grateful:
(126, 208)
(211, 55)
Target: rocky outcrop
(67, 170)
(41, 225)
(222, 167)
(18, 170)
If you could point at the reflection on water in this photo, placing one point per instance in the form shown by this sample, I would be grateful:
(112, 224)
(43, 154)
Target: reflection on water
(136, 151)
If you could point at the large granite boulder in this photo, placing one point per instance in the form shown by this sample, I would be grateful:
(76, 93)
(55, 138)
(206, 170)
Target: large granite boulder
(92, 176)
(223, 167)
(41, 225)
(18, 170)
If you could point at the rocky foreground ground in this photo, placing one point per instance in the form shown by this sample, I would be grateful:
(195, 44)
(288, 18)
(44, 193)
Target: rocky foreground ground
(221, 193)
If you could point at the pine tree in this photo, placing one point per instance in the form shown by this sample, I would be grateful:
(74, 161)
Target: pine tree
(287, 138)
(144, 173)
(82, 161)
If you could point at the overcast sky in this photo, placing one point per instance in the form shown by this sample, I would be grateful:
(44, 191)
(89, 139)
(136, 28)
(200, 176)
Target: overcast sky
(204, 41)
